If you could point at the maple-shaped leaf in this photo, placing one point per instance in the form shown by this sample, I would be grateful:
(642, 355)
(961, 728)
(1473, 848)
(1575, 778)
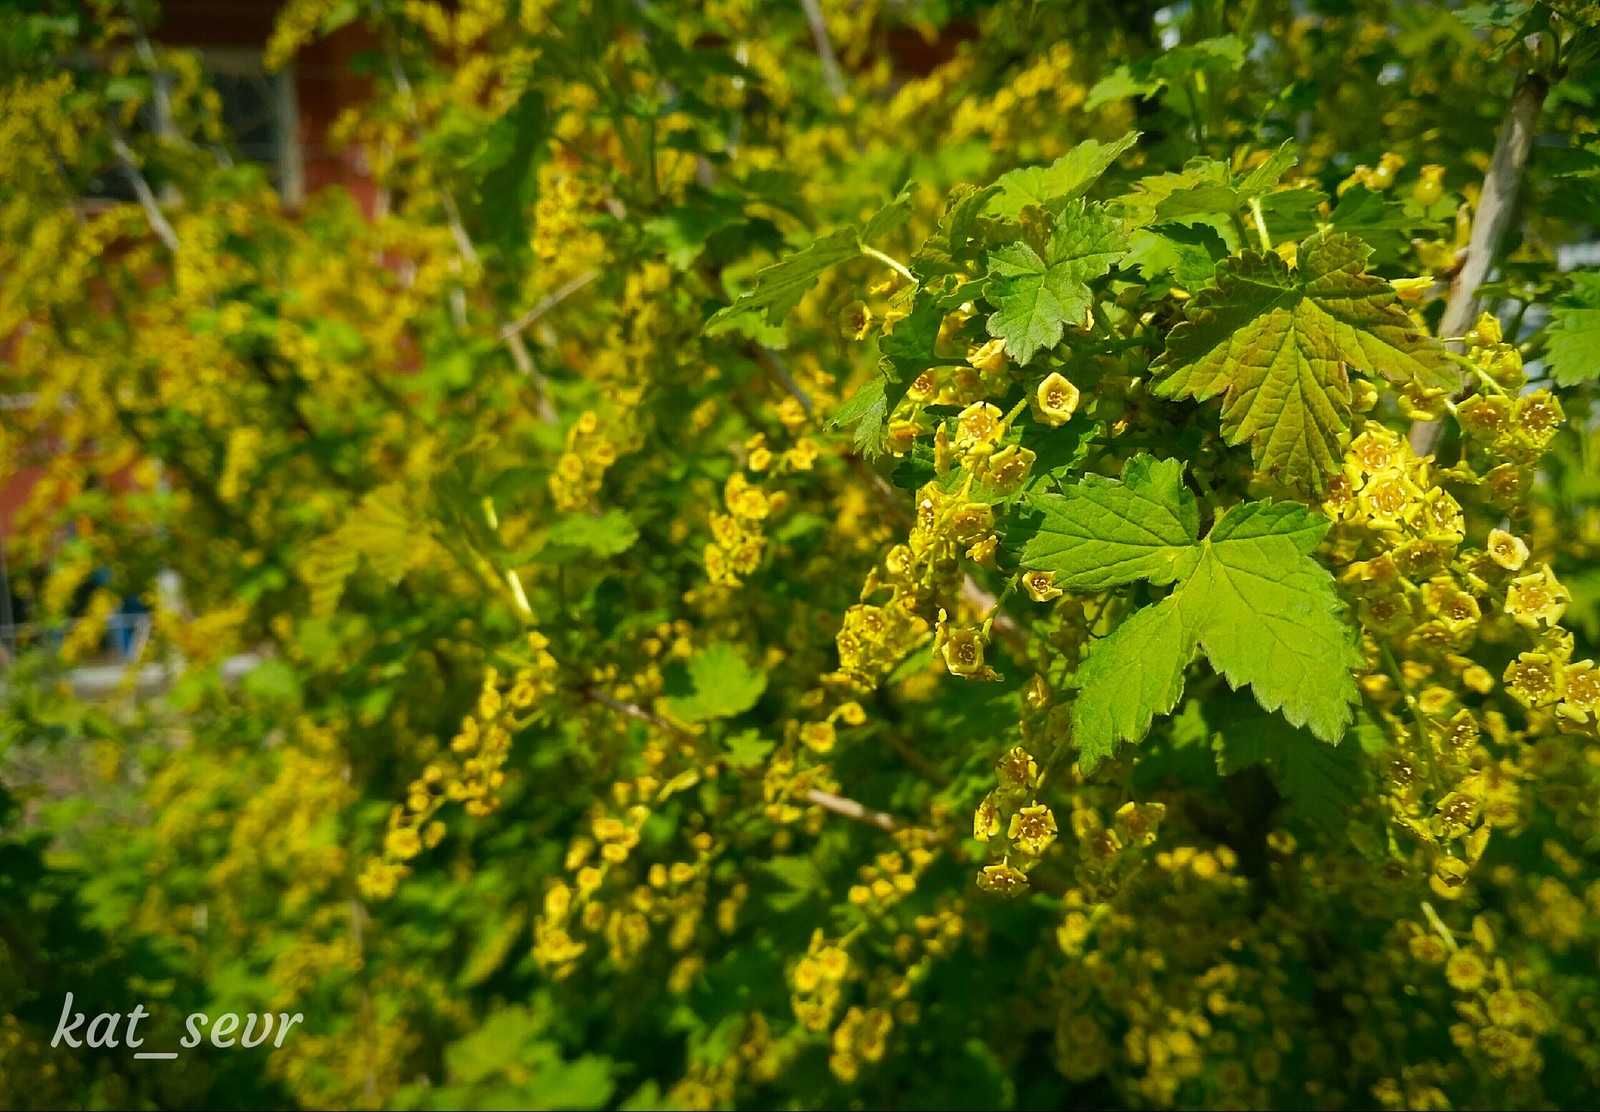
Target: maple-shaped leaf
(1321, 782)
(1035, 298)
(1574, 333)
(724, 685)
(380, 528)
(1248, 595)
(777, 289)
(1278, 344)
(1066, 178)
(1099, 533)
(1131, 675)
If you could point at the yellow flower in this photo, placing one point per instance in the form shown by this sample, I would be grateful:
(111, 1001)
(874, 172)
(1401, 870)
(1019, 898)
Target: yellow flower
(1040, 585)
(807, 975)
(1507, 550)
(855, 319)
(818, 736)
(1376, 449)
(403, 842)
(1055, 400)
(1016, 768)
(986, 819)
(1033, 829)
(1581, 691)
(1537, 597)
(833, 962)
(1534, 679)
(1537, 416)
(1387, 495)
(1002, 880)
(963, 653)
(1010, 466)
(1465, 970)
(978, 426)
(989, 358)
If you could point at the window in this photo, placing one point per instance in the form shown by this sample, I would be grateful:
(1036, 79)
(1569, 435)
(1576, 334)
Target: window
(260, 113)
(258, 109)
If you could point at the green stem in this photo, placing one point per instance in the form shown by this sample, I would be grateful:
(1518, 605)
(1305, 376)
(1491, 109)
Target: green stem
(1424, 741)
(1261, 225)
(891, 262)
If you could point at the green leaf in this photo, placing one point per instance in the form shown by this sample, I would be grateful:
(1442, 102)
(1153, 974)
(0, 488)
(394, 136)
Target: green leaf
(890, 217)
(1147, 77)
(1249, 595)
(748, 750)
(1268, 615)
(379, 528)
(1321, 782)
(1066, 178)
(1099, 533)
(801, 880)
(779, 288)
(1035, 298)
(1218, 54)
(1131, 675)
(908, 347)
(724, 685)
(1121, 83)
(1261, 181)
(868, 411)
(272, 681)
(606, 535)
(514, 148)
(1574, 333)
(492, 948)
(1368, 214)
(1276, 344)
(1188, 253)
(681, 232)
(960, 232)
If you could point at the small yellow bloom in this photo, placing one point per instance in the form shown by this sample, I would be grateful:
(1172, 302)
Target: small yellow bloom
(1041, 586)
(989, 358)
(1002, 880)
(1055, 400)
(855, 320)
(1465, 970)
(1033, 828)
(1537, 597)
(1507, 550)
(963, 653)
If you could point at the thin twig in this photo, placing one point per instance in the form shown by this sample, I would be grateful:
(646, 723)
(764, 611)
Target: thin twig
(850, 809)
(141, 190)
(546, 303)
(468, 251)
(832, 75)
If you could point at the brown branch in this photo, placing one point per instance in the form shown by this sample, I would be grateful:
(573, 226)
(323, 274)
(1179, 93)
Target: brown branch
(141, 190)
(832, 75)
(546, 303)
(1496, 206)
(850, 809)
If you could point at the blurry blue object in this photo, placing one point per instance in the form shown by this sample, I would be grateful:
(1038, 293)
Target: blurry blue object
(127, 626)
